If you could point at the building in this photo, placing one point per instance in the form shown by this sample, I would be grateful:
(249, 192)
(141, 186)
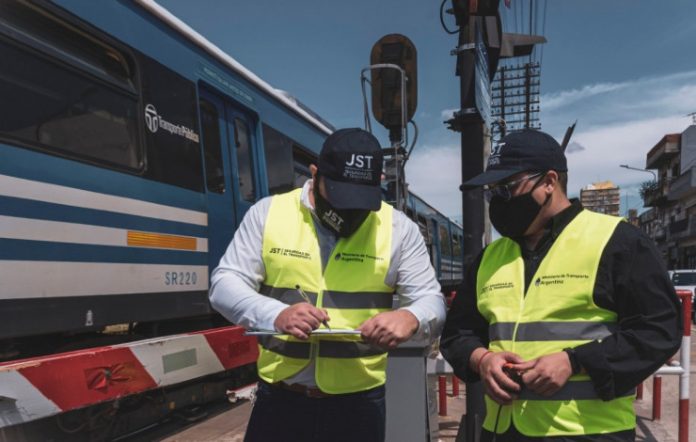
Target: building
(632, 217)
(671, 219)
(603, 197)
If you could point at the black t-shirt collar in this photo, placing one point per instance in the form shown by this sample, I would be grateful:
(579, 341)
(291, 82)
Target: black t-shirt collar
(555, 226)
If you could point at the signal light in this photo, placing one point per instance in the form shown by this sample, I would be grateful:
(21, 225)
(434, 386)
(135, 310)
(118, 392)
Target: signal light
(395, 49)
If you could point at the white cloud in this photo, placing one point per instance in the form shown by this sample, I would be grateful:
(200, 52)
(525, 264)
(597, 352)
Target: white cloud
(447, 114)
(606, 148)
(603, 104)
(618, 123)
(434, 174)
(565, 98)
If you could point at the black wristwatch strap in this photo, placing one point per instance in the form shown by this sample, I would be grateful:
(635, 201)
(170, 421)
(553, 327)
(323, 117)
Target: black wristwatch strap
(574, 363)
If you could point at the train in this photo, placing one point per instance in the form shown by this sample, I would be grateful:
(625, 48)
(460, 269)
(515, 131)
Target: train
(130, 149)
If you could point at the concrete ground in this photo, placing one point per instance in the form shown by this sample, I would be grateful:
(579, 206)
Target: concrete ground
(231, 425)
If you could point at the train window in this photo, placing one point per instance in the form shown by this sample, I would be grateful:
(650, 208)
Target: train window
(171, 118)
(212, 149)
(245, 163)
(301, 161)
(64, 110)
(445, 246)
(409, 212)
(279, 162)
(64, 90)
(39, 29)
(423, 226)
(456, 245)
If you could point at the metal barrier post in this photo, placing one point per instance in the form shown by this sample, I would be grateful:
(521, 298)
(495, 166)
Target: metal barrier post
(455, 386)
(685, 362)
(657, 398)
(442, 394)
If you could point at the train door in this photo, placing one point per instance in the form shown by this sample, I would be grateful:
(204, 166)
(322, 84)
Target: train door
(230, 160)
(436, 250)
(445, 251)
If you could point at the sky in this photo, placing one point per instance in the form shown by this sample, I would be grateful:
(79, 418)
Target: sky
(624, 69)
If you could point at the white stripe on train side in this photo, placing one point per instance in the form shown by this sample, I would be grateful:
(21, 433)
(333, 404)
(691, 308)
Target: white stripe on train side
(47, 279)
(55, 193)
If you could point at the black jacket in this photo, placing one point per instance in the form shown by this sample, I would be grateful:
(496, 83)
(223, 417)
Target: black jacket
(631, 281)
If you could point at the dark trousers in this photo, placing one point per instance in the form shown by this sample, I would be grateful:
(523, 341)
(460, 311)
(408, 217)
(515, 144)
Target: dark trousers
(286, 416)
(512, 435)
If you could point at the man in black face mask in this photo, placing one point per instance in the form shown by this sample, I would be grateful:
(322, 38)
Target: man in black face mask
(330, 255)
(565, 314)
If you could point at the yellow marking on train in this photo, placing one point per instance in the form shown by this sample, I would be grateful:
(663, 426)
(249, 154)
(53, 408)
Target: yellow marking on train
(145, 239)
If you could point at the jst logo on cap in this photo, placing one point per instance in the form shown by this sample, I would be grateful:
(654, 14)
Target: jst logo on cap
(494, 159)
(360, 161)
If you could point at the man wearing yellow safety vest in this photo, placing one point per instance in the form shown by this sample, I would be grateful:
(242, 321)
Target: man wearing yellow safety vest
(328, 256)
(563, 316)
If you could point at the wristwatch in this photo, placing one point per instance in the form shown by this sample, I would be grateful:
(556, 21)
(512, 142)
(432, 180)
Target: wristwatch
(573, 357)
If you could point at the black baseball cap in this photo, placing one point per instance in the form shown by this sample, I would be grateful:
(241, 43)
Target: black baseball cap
(351, 164)
(521, 151)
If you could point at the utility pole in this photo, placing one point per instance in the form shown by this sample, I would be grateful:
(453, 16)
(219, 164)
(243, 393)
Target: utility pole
(471, 122)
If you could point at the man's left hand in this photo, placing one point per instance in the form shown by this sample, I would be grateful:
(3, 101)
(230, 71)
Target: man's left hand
(547, 374)
(389, 329)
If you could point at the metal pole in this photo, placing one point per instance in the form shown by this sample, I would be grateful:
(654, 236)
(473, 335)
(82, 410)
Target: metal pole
(503, 128)
(685, 361)
(442, 394)
(626, 166)
(657, 397)
(398, 145)
(472, 147)
(527, 95)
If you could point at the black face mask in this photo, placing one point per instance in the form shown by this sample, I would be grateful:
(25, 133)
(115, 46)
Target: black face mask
(342, 222)
(513, 217)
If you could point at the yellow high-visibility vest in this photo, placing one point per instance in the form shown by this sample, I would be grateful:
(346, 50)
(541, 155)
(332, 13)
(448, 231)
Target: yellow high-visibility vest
(557, 312)
(351, 288)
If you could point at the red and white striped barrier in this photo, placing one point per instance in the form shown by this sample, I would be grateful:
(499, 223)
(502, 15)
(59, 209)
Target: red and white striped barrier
(35, 388)
(682, 370)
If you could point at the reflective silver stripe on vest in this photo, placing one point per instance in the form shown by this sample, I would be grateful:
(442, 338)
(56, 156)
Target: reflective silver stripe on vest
(286, 295)
(573, 390)
(551, 331)
(357, 300)
(329, 349)
(344, 349)
(300, 350)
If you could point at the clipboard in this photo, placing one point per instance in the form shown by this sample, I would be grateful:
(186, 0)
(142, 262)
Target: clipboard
(319, 331)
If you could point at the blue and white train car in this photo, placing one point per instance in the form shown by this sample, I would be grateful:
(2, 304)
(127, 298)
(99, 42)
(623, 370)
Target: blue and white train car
(130, 149)
(444, 239)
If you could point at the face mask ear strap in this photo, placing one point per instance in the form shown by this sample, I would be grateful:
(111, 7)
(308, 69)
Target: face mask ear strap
(537, 184)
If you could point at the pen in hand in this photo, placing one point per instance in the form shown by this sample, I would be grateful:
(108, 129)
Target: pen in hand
(306, 298)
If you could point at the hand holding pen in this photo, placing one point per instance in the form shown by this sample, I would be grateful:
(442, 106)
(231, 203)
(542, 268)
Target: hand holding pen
(300, 319)
(306, 298)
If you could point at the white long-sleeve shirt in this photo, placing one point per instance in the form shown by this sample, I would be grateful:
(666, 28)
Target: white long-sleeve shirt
(237, 279)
